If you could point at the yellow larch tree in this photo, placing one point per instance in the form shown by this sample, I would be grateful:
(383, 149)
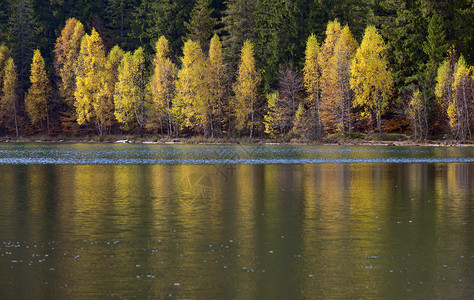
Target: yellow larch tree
(460, 111)
(417, 115)
(38, 97)
(329, 95)
(130, 90)
(340, 73)
(245, 89)
(215, 81)
(309, 113)
(110, 78)
(163, 83)
(9, 95)
(90, 69)
(192, 99)
(371, 78)
(4, 56)
(66, 53)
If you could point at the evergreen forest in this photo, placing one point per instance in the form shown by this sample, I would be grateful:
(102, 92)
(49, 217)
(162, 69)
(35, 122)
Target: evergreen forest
(279, 69)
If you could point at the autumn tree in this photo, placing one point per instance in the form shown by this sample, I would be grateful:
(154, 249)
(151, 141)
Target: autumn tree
(130, 90)
(371, 79)
(340, 74)
(90, 69)
(66, 53)
(216, 84)
(192, 99)
(417, 114)
(9, 95)
(311, 109)
(461, 108)
(329, 88)
(4, 56)
(444, 86)
(273, 120)
(39, 94)
(163, 82)
(110, 78)
(245, 89)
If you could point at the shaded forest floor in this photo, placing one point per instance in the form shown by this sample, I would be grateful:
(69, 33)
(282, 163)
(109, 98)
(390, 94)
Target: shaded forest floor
(384, 139)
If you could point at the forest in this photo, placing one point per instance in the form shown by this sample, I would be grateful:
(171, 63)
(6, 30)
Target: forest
(280, 69)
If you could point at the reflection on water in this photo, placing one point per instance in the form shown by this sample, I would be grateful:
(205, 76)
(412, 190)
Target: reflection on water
(225, 154)
(237, 231)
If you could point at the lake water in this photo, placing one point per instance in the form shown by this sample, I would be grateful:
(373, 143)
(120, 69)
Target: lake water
(81, 221)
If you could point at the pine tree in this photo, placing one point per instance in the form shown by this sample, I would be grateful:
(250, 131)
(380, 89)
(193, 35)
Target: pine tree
(239, 24)
(245, 89)
(39, 94)
(201, 25)
(89, 72)
(9, 97)
(371, 79)
(22, 37)
(163, 83)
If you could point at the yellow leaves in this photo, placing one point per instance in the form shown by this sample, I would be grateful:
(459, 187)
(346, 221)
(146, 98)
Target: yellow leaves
(40, 91)
(66, 52)
(163, 85)
(192, 94)
(371, 79)
(89, 71)
(245, 89)
(9, 96)
(312, 70)
(130, 94)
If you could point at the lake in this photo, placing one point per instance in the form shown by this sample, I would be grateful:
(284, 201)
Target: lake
(81, 221)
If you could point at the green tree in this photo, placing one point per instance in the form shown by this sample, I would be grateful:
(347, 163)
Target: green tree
(39, 94)
(22, 37)
(163, 82)
(246, 89)
(239, 26)
(9, 97)
(371, 79)
(89, 71)
(201, 25)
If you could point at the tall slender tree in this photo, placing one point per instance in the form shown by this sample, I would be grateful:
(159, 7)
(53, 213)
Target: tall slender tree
(216, 85)
(9, 100)
(90, 70)
(163, 83)
(38, 98)
(371, 79)
(312, 84)
(246, 90)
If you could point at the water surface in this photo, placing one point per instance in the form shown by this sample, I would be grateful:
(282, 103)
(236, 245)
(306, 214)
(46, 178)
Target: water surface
(108, 221)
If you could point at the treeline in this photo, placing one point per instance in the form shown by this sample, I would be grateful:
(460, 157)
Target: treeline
(278, 68)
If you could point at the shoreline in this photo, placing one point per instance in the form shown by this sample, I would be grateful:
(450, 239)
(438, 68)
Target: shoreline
(114, 139)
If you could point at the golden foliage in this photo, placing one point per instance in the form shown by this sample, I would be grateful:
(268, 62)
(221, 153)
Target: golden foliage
(40, 92)
(371, 79)
(245, 89)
